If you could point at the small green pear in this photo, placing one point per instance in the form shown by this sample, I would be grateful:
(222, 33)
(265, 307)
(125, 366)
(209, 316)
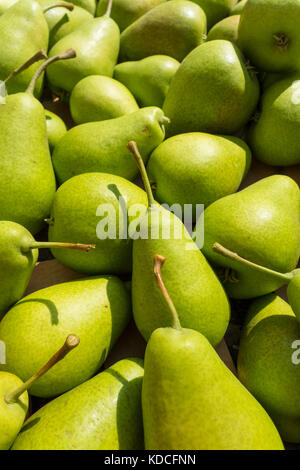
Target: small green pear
(103, 413)
(101, 146)
(18, 256)
(148, 79)
(260, 223)
(56, 128)
(238, 7)
(197, 168)
(191, 400)
(266, 364)
(225, 29)
(198, 295)
(96, 309)
(213, 91)
(125, 12)
(215, 10)
(172, 28)
(99, 207)
(98, 98)
(14, 397)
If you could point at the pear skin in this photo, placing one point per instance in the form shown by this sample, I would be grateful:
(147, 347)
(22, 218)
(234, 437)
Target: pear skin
(215, 10)
(56, 128)
(225, 29)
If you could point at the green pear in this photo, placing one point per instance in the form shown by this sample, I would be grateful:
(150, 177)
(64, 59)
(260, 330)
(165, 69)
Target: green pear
(172, 28)
(101, 146)
(125, 12)
(198, 295)
(88, 5)
(261, 223)
(98, 208)
(96, 309)
(197, 168)
(56, 128)
(269, 34)
(265, 362)
(18, 256)
(148, 79)
(191, 400)
(273, 136)
(215, 10)
(27, 181)
(103, 413)
(25, 17)
(238, 7)
(98, 98)
(225, 29)
(97, 47)
(5, 4)
(14, 397)
(212, 91)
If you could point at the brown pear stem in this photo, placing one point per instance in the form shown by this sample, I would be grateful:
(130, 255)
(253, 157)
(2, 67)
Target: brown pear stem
(221, 250)
(108, 9)
(67, 5)
(69, 54)
(71, 342)
(40, 55)
(158, 264)
(69, 246)
(132, 146)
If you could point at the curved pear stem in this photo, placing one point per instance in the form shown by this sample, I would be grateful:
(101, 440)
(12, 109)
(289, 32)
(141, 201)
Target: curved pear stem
(40, 55)
(221, 250)
(108, 9)
(158, 264)
(132, 146)
(71, 342)
(69, 246)
(67, 5)
(69, 54)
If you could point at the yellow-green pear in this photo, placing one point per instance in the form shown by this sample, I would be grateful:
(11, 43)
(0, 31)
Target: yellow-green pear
(56, 128)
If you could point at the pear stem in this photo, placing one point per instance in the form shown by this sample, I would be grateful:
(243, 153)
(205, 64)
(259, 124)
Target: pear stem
(70, 246)
(69, 54)
(35, 58)
(132, 146)
(108, 9)
(71, 342)
(67, 5)
(221, 250)
(158, 264)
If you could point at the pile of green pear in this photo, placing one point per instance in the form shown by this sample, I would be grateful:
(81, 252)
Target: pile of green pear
(150, 108)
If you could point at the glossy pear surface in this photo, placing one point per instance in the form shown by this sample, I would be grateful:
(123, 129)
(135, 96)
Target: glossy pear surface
(56, 128)
(225, 29)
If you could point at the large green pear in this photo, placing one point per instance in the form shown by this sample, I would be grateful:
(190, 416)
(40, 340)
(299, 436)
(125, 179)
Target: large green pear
(23, 31)
(56, 128)
(190, 399)
(274, 135)
(97, 208)
(173, 28)
(215, 10)
(266, 364)
(95, 309)
(101, 146)
(269, 34)
(104, 413)
(148, 79)
(225, 29)
(261, 224)
(197, 293)
(125, 12)
(197, 168)
(212, 91)
(98, 98)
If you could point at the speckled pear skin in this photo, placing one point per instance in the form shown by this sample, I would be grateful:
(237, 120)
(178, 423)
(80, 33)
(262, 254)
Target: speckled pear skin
(261, 224)
(125, 12)
(56, 128)
(12, 416)
(104, 413)
(187, 399)
(197, 168)
(274, 136)
(16, 266)
(198, 295)
(74, 218)
(148, 79)
(221, 95)
(101, 146)
(215, 10)
(173, 28)
(27, 181)
(25, 16)
(225, 29)
(96, 43)
(94, 309)
(98, 98)
(265, 364)
(293, 293)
